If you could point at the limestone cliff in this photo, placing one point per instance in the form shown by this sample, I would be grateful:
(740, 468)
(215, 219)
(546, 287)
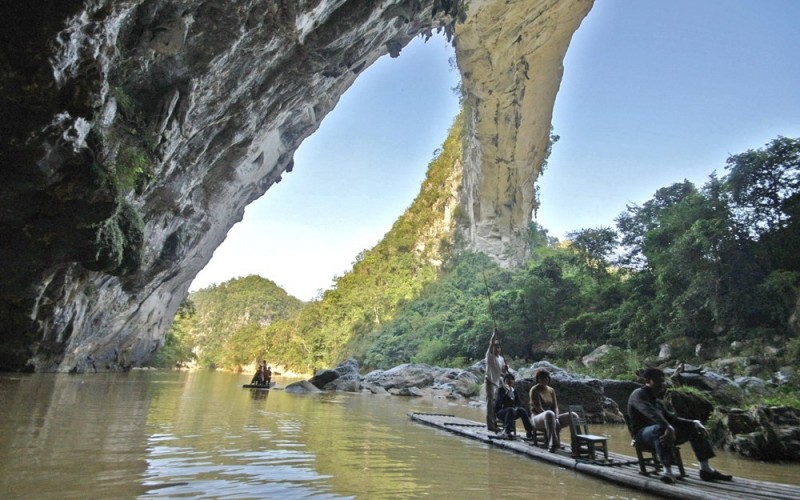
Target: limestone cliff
(510, 55)
(134, 133)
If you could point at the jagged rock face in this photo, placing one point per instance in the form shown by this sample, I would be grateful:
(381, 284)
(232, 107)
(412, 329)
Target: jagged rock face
(135, 133)
(510, 55)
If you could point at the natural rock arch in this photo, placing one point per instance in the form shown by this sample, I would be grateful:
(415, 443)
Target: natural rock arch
(137, 132)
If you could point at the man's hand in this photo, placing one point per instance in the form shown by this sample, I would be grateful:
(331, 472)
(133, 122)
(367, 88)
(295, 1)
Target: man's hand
(668, 437)
(699, 427)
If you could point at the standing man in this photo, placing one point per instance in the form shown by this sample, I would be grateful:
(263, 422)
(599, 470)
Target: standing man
(495, 368)
(653, 424)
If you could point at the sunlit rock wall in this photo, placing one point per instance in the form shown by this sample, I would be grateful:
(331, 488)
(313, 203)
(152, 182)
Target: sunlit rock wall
(134, 133)
(510, 56)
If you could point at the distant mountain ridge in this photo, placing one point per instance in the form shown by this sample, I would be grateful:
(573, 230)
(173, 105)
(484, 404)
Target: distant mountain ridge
(222, 325)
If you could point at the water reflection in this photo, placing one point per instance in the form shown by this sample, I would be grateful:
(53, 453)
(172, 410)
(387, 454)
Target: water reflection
(64, 435)
(167, 435)
(259, 394)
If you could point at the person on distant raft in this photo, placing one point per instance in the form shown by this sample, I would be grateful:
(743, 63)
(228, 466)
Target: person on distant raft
(662, 430)
(544, 410)
(263, 370)
(508, 407)
(268, 376)
(258, 378)
(495, 369)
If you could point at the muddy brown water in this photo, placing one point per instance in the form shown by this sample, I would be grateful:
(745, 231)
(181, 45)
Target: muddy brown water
(152, 434)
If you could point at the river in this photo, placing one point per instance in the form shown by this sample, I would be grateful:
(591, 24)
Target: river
(157, 434)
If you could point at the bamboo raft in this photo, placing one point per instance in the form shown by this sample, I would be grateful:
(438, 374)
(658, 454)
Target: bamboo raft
(620, 469)
(264, 387)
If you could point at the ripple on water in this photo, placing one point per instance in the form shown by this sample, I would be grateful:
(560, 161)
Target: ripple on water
(234, 474)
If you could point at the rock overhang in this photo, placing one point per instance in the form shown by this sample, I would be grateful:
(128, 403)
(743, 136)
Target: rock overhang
(203, 104)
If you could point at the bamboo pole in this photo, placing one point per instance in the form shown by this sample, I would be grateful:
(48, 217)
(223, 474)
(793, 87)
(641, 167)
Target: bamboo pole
(489, 296)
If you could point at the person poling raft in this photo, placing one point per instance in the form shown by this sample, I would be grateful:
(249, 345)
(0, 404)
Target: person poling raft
(496, 369)
(263, 376)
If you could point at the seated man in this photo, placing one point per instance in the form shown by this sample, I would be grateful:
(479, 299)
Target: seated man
(661, 430)
(508, 408)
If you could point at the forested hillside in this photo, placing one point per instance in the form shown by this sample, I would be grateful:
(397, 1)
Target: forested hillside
(711, 270)
(224, 325)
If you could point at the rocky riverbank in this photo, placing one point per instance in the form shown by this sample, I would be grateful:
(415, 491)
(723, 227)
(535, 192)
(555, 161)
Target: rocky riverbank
(764, 433)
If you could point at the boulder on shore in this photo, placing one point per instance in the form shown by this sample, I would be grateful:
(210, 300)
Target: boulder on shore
(406, 391)
(690, 405)
(301, 387)
(457, 384)
(405, 375)
(596, 355)
(770, 433)
(345, 377)
(323, 377)
(620, 391)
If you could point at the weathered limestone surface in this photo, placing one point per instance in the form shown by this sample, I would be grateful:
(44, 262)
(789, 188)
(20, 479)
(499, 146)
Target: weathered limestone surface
(134, 133)
(770, 433)
(510, 56)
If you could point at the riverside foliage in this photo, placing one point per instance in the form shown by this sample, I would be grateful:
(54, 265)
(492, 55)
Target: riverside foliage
(709, 265)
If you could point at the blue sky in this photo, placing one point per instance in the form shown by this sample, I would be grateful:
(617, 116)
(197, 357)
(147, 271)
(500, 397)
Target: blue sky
(653, 93)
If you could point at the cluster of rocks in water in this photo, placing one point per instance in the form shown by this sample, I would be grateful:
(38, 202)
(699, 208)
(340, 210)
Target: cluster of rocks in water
(761, 432)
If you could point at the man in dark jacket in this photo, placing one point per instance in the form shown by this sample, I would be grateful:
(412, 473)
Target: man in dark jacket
(653, 425)
(508, 407)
